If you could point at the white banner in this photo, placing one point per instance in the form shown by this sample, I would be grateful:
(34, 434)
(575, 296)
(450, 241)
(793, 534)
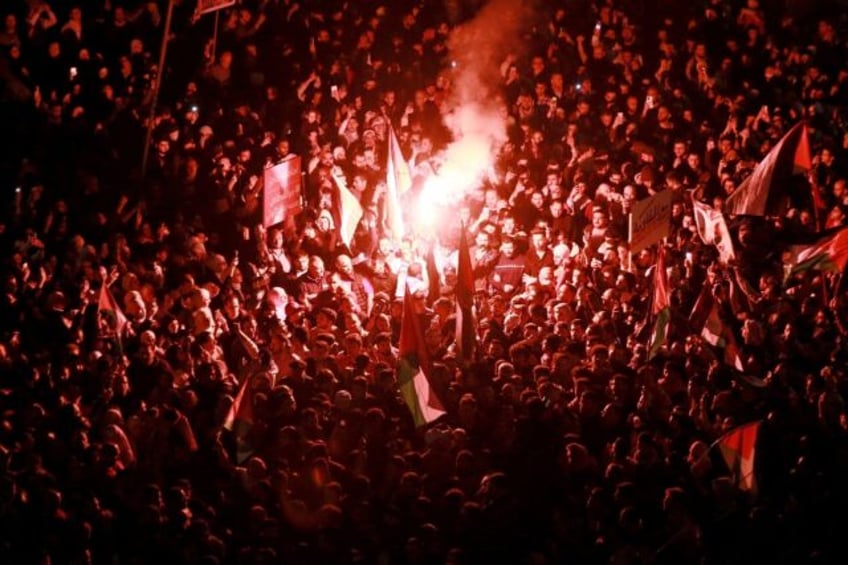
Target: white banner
(650, 221)
(282, 192)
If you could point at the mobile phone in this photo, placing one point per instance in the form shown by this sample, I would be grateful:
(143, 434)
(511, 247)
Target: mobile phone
(73, 73)
(578, 86)
(598, 26)
(619, 116)
(649, 100)
(194, 108)
(334, 90)
(18, 189)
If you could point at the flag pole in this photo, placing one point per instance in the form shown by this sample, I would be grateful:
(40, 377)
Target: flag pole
(215, 36)
(160, 76)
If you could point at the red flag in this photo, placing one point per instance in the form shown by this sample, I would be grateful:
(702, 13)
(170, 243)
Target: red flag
(661, 307)
(738, 447)
(465, 334)
(108, 308)
(829, 253)
(760, 193)
(706, 320)
(239, 420)
(414, 363)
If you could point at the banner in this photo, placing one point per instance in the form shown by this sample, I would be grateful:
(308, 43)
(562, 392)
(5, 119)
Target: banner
(713, 230)
(206, 6)
(282, 192)
(650, 221)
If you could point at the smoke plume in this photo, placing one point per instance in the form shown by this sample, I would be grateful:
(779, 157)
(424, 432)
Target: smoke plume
(476, 112)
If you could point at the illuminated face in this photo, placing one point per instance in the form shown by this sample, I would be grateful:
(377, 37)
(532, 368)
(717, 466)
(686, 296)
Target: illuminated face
(599, 220)
(316, 267)
(537, 200)
(539, 241)
(556, 208)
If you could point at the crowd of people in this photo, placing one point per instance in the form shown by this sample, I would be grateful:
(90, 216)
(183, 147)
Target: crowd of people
(564, 439)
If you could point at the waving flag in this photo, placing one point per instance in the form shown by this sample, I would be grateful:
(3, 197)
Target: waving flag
(239, 420)
(760, 194)
(415, 388)
(108, 308)
(738, 448)
(465, 334)
(661, 308)
(706, 320)
(829, 253)
(398, 182)
(349, 210)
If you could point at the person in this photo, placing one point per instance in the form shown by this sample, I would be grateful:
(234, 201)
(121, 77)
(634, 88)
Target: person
(172, 369)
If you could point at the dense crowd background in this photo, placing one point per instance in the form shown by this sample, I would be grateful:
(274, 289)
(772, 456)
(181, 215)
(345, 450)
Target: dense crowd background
(562, 441)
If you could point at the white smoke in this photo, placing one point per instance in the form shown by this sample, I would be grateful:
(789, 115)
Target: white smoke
(476, 114)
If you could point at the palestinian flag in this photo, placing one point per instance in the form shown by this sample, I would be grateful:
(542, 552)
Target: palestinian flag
(738, 448)
(706, 320)
(828, 253)
(398, 182)
(661, 307)
(108, 309)
(465, 332)
(239, 420)
(347, 210)
(434, 278)
(764, 192)
(415, 388)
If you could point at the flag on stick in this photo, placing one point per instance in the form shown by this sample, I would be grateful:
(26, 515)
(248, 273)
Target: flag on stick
(414, 385)
(398, 182)
(349, 210)
(108, 308)
(760, 194)
(828, 253)
(738, 448)
(706, 319)
(465, 334)
(239, 420)
(661, 308)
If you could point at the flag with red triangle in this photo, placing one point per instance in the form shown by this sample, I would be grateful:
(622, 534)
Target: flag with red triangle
(828, 253)
(706, 320)
(738, 448)
(764, 192)
(413, 366)
(239, 420)
(661, 306)
(108, 309)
